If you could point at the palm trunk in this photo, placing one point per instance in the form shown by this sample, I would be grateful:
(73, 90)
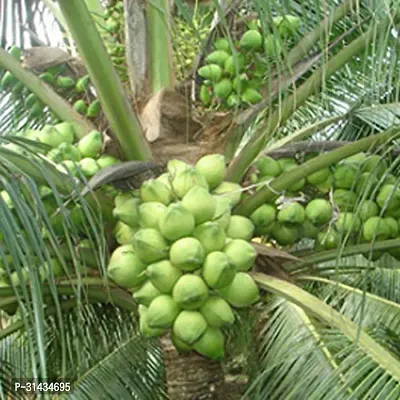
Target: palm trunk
(190, 376)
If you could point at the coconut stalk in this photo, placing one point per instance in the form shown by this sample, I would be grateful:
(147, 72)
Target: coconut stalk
(160, 52)
(123, 121)
(288, 178)
(312, 85)
(46, 94)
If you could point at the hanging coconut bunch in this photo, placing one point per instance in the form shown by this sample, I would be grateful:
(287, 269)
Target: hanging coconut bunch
(185, 258)
(235, 70)
(114, 38)
(187, 38)
(326, 206)
(76, 91)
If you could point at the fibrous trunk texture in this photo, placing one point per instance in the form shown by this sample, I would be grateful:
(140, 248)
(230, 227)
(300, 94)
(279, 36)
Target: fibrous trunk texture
(192, 377)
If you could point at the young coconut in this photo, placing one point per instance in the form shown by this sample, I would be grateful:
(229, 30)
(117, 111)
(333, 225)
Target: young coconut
(155, 191)
(125, 267)
(217, 270)
(211, 344)
(162, 312)
(241, 254)
(67, 131)
(319, 211)
(200, 203)
(123, 233)
(375, 228)
(91, 144)
(150, 214)
(291, 213)
(163, 275)
(217, 312)
(106, 161)
(176, 222)
(146, 294)
(231, 191)
(264, 216)
(368, 209)
(189, 326)
(241, 292)
(240, 228)
(211, 236)
(150, 245)
(222, 215)
(187, 254)
(328, 239)
(68, 151)
(268, 166)
(144, 328)
(190, 292)
(51, 136)
(88, 167)
(128, 212)
(212, 168)
(185, 180)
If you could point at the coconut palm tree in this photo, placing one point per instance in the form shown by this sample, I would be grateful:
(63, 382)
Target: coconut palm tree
(328, 320)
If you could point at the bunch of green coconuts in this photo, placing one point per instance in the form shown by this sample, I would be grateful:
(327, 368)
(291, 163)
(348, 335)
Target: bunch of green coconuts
(235, 71)
(184, 256)
(75, 91)
(357, 199)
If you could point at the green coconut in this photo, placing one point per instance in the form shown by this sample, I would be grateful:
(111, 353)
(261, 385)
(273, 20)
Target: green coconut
(284, 234)
(82, 84)
(344, 199)
(328, 239)
(347, 222)
(368, 209)
(268, 166)
(163, 275)
(50, 136)
(222, 215)
(309, 229)
(175, 166)
(217, 312)
(326, 186)
(272, 46)
(217, 270)
(189, 326)
(388, 197)
(211, 344)
(319, 177)
(181, 346)
(106, 161)
(234, 64)
(150, 214)
(67, 131)
(190, 292)
(205, 94)
(94, 109)
(162, 312)
(88, 166)
(241, 292)
(123, 233)
(319, 211)
(251, 40)
(365, 184)
(222, 44)
(212, 72)
(185, 180)
(375, 228)
(240, 228)
(263, 217)
(128, 212)
(291, 213)
(231, 191)
(212, 168)
(144, 328)
(187, 254)
(121, 198)
(125, 267)
(344, 176)
(200, 203)
(176, 222)
(375, 164)
(69, 152)
(211, 236)
(217, 57)
(65, 82)
(146, 294)
(241, 254)
(150, 245)
(251, 96)
(223, 89)
(393, 226)
(91, 144)
(155, 190)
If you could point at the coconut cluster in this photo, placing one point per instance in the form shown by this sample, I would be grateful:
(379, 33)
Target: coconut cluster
(76, 91)
(357, 199)
(234, 71)
(184, 256)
